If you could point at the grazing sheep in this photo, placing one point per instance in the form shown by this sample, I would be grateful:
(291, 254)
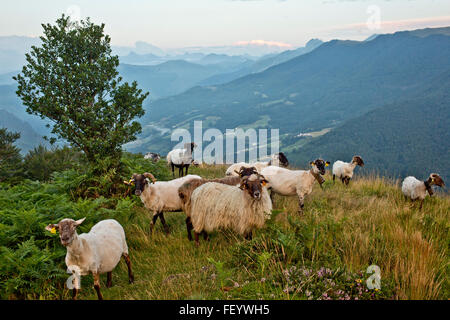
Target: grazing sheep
(414, 189)
(186, 190)
(98, 251)
(153, 156)
(159, 196)
(219, 206)
(295, 182)
(181, 158)
(277, 159)
(344, 170)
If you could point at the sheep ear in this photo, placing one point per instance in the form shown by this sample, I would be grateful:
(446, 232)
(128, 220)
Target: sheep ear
(327, 163)
(80, 221)
(312, 163)
(243, 185)
(52, 228)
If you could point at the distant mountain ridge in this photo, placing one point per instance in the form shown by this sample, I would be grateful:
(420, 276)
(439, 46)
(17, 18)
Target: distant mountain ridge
(330, 87)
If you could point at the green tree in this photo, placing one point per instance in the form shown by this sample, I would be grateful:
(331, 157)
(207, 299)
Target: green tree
(72, 79)
(10, 158)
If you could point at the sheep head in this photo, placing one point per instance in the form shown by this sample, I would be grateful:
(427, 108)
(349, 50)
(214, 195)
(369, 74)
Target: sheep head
(190, 146)
(318, 166)
(358, 161)
(253, 184)
(66, 228)
(244, 171)
(283, 160)
(436, 180)
(140, 181)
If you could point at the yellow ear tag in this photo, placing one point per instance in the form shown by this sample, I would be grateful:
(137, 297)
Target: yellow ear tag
(131, 181)
(264, 183)
(326, 164)
(53, 230)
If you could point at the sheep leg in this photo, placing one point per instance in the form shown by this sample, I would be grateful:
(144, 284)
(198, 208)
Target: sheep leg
(205, 236)
(421, 204)
(334, 177)
(152, 224)
(97, 285)
(187, 168)
(196, 234)
(249, 236)
(189, 227)
(130, 272)
(109, 279)
(74, 294)
(163, 221)
(301, 204)
(347, 181)
(173, 169)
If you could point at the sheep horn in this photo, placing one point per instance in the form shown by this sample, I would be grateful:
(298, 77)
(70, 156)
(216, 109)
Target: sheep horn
(149, 175)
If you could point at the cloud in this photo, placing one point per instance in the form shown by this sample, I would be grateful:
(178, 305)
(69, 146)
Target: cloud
(395, 25)
(263, 43)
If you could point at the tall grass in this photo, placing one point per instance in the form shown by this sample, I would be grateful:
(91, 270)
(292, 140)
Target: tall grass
(322, 254)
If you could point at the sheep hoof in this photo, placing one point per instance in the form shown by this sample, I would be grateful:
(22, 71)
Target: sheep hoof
(131, 280)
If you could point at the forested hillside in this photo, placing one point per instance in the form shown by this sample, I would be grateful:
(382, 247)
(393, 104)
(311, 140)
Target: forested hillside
(409, 137)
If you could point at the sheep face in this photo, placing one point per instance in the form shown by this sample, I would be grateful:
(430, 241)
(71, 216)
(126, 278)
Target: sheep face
(283, 160)
(253, 185)
(66, 228)
(319, 165)
(190, 146)
(437, 180)
(140, 181)
(358, 161)
(244, 171)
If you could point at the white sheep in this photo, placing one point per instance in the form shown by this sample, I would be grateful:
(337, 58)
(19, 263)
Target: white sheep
(295, 182)
(219, 206)
(344, 170)
(181, 158)
(159, 196)
(98, 251)
(277, 159)
(153, 156)
(415, 189)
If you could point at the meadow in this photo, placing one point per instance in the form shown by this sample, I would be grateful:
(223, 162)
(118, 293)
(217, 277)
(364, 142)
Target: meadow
(322, 254)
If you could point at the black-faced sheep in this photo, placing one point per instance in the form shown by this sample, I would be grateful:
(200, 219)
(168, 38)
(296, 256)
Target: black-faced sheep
(159, 196)
(415, 189)
(98, 251)
(219, 206)
(295, 182)
(344, 170)
(181, 158)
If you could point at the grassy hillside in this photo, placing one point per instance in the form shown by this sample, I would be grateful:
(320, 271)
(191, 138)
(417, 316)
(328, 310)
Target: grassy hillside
(322, 254)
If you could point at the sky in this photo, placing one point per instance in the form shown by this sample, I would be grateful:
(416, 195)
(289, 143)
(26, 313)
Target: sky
(188, 23)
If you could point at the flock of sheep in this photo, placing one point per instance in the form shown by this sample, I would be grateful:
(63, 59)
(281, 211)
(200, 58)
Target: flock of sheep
(240, 201)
